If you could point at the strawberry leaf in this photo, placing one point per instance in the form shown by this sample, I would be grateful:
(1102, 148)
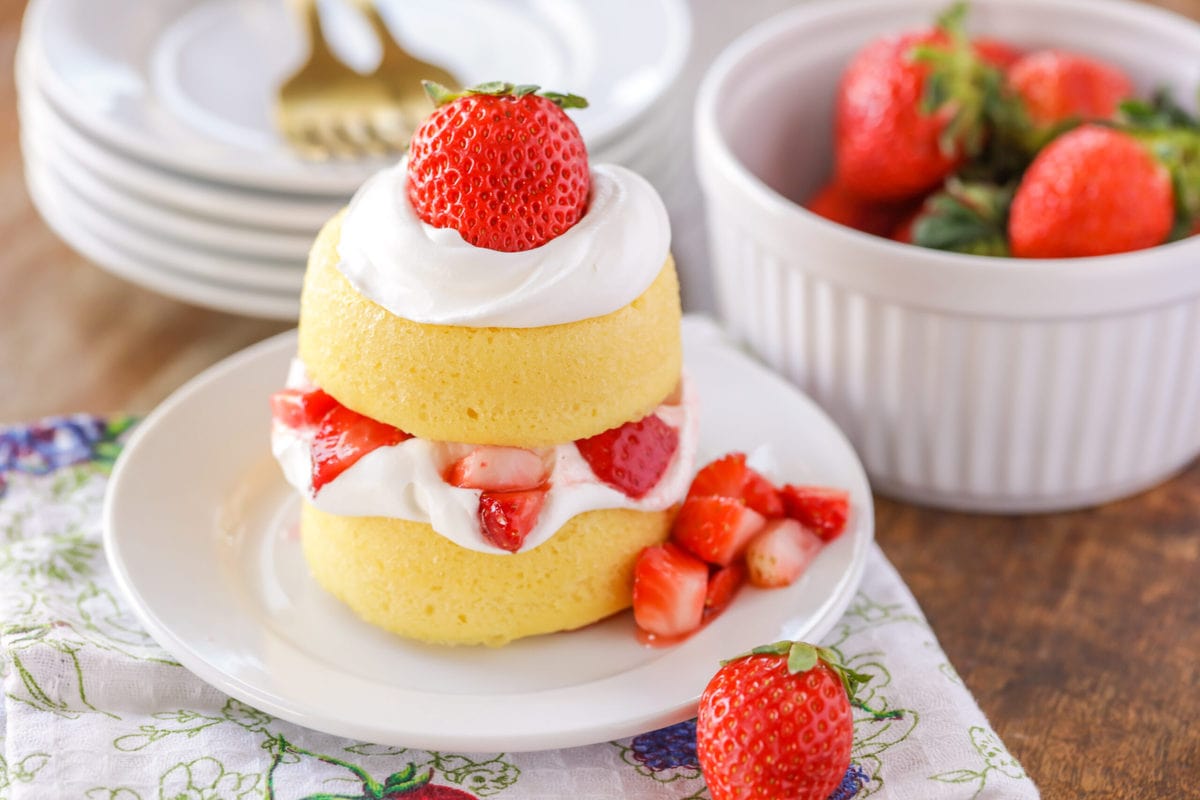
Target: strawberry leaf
(565, 101)
(965, 218)
(440, 95)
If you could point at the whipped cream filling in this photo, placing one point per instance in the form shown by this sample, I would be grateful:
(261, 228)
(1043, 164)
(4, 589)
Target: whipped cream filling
(404, 481)
(432, 276)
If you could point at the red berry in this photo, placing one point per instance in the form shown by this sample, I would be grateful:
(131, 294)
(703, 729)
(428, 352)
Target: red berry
(300, 408)
(761, 495)
(781, 553)
(498, 469)
(669, 590)
(507, 172)
(886, 147)
(1090, 192)
(506, 518)
(633, 457)
(345, 436)
(724, 477)
(716, 529)
(1057, 86)
(822, 510)
(723, 586)
(777, 724)
(837, 204)
(995, 52)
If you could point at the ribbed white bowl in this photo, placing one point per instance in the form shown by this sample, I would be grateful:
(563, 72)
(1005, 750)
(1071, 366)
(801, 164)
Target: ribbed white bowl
(965, 382)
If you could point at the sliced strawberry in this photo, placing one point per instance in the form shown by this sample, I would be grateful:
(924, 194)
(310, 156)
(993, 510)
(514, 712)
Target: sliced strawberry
(669, 588)
(344, 437)
(723, 585)
(822, 509)
(716, 529)
(633, 457)
(506, 518)
(498, 469)
(299, 408)
(780, 554)
(724, 477)
(761, 495)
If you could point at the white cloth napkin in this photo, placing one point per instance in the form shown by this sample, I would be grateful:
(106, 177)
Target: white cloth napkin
(94, 709)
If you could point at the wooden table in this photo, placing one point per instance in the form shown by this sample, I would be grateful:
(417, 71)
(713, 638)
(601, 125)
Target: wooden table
(1079, 633)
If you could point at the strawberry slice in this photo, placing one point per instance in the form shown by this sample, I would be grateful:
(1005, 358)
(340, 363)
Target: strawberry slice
(725, 477)
(723, 585)
(498, 469)
(633, 457)
(780, 554)
(299, 408)
(344, 437)
(761, 495)
(822, 509)
(716, 529)
(506, 518)
(669, 588)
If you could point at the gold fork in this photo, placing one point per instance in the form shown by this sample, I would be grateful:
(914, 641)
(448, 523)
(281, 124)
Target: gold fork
(327, 110)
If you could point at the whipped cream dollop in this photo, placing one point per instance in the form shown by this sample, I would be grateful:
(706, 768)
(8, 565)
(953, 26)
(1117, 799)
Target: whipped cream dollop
(404, 481)
(431, 275)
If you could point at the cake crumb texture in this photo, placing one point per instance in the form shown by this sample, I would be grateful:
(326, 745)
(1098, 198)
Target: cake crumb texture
(524, 387)
(404, 577)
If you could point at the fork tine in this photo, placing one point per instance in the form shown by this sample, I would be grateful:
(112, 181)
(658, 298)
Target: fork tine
(308, 140)
(360, 130)
(341, 144)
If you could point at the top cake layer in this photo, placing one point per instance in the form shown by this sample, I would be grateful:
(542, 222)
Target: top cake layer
(525, 387)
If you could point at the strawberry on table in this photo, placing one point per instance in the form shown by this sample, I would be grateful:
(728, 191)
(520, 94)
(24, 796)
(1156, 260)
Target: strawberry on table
(633, 457)
(781, 553)
(821, 509)
(506, 518)
(343, 437)
(716, 529)
(669, 591)
(776, 723)
(1092, 191)
(503, 165)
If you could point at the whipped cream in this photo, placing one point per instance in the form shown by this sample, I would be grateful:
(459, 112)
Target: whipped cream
(432, 276)
(404, 481)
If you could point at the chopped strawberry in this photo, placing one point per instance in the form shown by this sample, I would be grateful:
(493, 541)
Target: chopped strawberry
(822, 509)
(761, 495)
(669, 589)
(633, 457)
(717, 529)
(299, 408)
(780, 554)
(498, 469)
(723, 585)
(344, 437)
(506, 518)
(724, 477)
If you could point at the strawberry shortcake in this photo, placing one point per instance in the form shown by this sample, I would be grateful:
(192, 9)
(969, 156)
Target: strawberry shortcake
(486, 416)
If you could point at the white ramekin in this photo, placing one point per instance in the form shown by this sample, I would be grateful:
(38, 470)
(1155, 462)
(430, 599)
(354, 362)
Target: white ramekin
(965, 382)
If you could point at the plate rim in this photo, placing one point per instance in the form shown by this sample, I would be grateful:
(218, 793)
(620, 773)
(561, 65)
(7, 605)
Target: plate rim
(573, 734)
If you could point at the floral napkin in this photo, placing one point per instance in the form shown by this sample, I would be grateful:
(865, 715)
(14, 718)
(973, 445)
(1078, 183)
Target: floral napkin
(94, 709)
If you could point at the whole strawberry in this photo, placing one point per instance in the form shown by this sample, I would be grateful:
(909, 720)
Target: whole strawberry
(911, 108)
(776, 723)
(1092, 191)
(1057, 86)
(503, 165)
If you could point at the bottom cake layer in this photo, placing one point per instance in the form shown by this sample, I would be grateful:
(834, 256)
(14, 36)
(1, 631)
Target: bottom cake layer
(403, 577)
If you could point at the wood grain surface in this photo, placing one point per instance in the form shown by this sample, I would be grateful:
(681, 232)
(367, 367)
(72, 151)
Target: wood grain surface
(1079, 633)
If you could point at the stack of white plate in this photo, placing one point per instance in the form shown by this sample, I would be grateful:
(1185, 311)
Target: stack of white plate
(147, 136)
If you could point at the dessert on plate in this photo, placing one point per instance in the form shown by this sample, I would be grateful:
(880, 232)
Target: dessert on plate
(486, 416)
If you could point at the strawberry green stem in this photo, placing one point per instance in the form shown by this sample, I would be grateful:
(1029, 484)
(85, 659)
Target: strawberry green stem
(440, 95)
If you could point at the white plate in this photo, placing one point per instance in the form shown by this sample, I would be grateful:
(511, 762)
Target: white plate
(255, 275)
(303, 214)
(189, 84)
(199, 530)
(55, 205)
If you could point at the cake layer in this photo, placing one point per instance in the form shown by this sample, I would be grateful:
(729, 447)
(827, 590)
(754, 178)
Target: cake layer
(405, 578)
(525, 387)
